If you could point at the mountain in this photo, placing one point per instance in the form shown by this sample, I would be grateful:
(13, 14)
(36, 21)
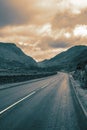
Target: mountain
(12, 57)
(67, 60)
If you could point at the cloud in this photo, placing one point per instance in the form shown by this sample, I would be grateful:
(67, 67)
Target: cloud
(80, 30)
(74, 6)
(56, 44)
(43, 28)
(68, 20)
(51, 42)
(10, 14)
(15, 12)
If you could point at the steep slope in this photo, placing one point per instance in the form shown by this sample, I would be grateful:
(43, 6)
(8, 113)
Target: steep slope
(67, 60)
(12, 57)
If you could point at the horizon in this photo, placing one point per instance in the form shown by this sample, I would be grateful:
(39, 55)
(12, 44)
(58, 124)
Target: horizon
(54, 55)
(45, 58)
(44, 28)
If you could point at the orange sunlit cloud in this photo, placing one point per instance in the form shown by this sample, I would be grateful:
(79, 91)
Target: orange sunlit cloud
(43, 28)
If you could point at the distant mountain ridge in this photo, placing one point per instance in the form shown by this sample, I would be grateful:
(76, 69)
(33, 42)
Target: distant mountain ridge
(67, 60)
(11, 57)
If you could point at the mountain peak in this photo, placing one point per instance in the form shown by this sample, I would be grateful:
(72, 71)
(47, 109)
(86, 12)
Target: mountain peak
(11, 56)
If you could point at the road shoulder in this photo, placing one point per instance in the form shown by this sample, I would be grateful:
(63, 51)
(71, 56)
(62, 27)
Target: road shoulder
(79, 101)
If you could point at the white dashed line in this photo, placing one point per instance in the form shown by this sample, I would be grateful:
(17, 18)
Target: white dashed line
(44, 87)
(1, 112)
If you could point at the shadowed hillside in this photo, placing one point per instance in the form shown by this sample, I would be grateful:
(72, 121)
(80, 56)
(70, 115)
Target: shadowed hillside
(67, 60)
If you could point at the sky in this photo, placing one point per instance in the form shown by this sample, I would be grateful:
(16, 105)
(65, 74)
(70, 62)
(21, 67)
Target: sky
(43, 28)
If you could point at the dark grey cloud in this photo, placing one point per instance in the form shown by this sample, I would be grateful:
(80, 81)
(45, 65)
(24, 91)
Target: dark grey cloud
(9, 15)
(60, 44)
(50, 42)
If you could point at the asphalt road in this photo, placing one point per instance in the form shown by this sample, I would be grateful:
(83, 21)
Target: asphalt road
(41, 105)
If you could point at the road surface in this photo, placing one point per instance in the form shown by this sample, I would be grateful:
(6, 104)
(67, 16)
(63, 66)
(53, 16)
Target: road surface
(41, 105)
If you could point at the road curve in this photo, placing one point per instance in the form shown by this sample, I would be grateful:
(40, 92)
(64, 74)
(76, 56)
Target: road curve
(42, 105)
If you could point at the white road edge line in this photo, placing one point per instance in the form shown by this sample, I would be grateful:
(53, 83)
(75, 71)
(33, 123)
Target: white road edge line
(47, 85)
(1, 112)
